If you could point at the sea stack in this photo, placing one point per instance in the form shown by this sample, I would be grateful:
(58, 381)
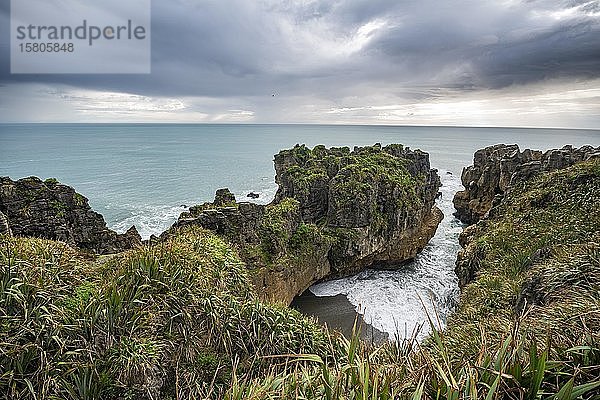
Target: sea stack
(336, 212)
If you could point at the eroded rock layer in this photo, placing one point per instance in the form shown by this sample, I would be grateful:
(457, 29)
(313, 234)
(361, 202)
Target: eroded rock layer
(50, 210)
(335, 213)
(503, 180)
(495, 167)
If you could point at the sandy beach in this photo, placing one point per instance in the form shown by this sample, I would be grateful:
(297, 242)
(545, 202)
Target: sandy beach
(338, 314)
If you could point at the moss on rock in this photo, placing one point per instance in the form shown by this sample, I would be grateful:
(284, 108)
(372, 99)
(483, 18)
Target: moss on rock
(536, 256)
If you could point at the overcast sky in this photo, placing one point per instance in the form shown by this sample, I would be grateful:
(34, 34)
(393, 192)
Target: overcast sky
(402, 62)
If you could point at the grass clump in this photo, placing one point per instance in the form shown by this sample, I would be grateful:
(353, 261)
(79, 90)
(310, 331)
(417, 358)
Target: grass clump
(39, 344)
(166, 321)
(537, 263)
(180, 319)
(527, 326)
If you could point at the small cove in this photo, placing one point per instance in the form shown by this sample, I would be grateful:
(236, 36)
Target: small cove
(147, 174)
(398, 303)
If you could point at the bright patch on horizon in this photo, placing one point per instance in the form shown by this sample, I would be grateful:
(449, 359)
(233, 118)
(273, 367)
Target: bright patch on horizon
(97, 101)
(557, 106)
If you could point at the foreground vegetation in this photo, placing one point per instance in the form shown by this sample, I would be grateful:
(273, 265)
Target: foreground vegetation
(180, 319)
(166, 321)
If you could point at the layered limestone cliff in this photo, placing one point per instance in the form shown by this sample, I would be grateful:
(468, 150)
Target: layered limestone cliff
(535, 260)
(335, 213)
(504, 181)
(50, 210)
(495, 167)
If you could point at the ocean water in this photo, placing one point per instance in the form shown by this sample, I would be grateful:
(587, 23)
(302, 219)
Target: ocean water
(402, 303)
(147, 174)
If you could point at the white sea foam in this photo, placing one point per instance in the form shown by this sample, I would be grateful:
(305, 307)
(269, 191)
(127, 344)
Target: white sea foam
(398, 302)
(154, 220)
(266, 192)
(148, 219)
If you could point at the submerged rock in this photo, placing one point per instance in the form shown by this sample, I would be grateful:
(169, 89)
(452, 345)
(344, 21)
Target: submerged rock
(50, 210)
(335, 213)
(496, 168)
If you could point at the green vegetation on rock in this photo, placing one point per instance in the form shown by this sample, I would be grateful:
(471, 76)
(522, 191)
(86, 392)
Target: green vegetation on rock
(528, 325)
(51, 181)
(180, 319)
(535, 270)
(538, 222)
(356, 172)
(335, 213)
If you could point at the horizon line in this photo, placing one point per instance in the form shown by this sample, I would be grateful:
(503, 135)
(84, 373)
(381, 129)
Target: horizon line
(304, 124)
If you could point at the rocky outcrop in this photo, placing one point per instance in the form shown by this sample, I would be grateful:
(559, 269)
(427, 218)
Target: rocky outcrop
(50, 210)
(369, 191)
(496, 167)
(496, 173)
(336, 212)
(283, 258)
(239, 222)
(469, 257)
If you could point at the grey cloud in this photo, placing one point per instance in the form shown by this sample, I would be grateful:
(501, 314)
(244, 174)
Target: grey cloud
(242, 49)
(520, 50)
(568, 51)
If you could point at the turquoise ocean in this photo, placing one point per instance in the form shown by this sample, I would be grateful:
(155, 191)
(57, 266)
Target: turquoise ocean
(147, 174)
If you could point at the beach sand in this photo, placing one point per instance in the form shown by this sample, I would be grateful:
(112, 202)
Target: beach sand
(337, 313)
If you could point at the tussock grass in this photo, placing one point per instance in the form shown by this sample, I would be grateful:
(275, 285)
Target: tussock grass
(526, 328)
(170, 320)
(180, 319)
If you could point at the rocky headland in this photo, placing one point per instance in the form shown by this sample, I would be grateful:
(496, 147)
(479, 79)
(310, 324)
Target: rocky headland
(336, 212)
(50, 210)
(538, 216)
(496, 167)
(496, 172)
(182, 317)
(530, 266)
(535, 254)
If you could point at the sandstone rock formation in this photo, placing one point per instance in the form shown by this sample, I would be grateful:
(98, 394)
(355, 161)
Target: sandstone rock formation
(495, 167)
(50, 210)
(336, 212)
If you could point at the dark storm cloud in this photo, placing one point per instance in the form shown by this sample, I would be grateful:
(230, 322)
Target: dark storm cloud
(571, 50)
(246, 48)
(498, 48)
